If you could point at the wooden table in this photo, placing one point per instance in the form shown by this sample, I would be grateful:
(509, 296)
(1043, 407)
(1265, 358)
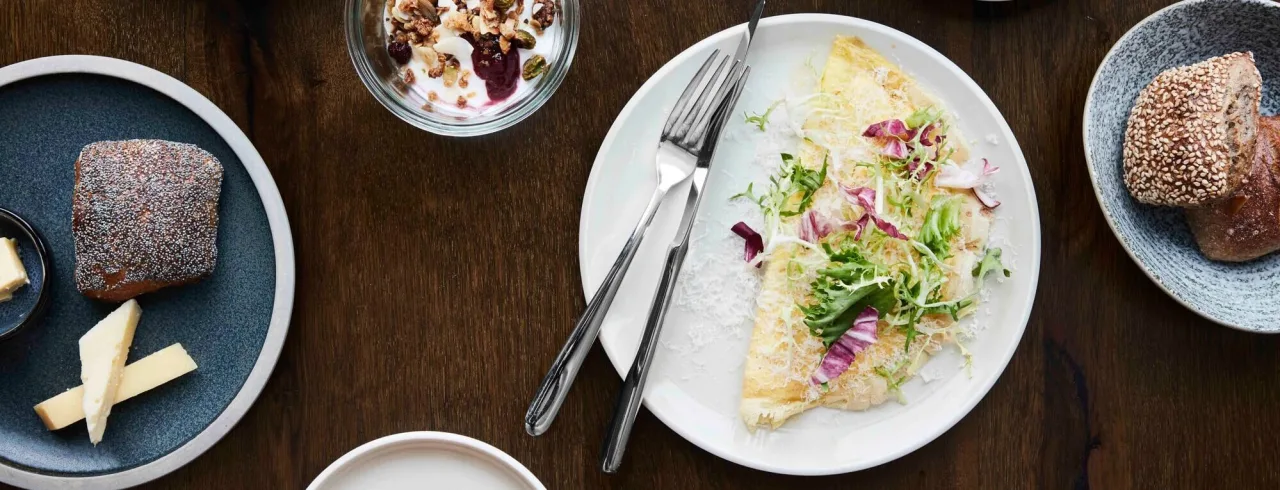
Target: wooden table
(438, 277)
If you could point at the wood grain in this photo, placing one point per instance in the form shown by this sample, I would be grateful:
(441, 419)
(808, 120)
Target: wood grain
(438, 277)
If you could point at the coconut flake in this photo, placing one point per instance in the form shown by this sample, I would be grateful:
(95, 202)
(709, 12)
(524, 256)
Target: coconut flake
(456, 46)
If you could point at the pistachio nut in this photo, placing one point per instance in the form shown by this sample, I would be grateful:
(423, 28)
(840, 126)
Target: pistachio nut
(428, 10)
(534, 67)
(450, 75)
(524, 40)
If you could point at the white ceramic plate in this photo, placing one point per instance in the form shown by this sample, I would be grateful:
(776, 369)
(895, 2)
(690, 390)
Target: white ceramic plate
(408, 460)
(696, 382)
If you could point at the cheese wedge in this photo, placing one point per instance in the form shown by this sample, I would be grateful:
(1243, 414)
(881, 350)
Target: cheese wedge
(140, 377)
(103, 350)
(12, 274)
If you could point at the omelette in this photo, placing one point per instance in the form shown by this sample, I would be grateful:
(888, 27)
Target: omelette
(874, 244)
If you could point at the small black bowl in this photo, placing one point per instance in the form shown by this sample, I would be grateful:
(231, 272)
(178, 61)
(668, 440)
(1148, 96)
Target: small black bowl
(29, 301)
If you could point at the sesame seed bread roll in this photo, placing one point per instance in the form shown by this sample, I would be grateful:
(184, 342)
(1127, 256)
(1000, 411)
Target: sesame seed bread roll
(1247, 225)
(1191, 134)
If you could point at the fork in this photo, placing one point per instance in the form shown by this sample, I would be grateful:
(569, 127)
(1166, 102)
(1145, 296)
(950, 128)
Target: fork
(629, 398)
(683, 137)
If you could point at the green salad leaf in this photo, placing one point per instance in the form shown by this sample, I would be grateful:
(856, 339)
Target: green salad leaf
(791, 191)
(903, 280)
(990, 263)
(842, 291)
(894, 377)
(806, 182)
(923, 117)
(763, 118)
(941, 224)
(919, 295)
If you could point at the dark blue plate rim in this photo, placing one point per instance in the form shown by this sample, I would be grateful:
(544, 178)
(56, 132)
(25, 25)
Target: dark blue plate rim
(284, 258)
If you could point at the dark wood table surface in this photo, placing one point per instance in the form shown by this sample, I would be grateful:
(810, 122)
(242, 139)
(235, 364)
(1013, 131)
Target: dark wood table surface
(438, 277)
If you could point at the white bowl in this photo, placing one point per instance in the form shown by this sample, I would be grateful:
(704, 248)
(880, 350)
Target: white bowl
(426, 460)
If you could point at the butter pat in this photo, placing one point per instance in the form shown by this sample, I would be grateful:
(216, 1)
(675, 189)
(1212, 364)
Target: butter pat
(140, 377)
(103, 350)
(12, 274)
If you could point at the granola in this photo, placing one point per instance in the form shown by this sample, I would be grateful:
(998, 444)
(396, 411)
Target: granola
(441, 43)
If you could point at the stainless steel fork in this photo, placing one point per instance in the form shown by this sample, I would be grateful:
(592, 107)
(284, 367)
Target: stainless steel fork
(683, 136)
(629, 398)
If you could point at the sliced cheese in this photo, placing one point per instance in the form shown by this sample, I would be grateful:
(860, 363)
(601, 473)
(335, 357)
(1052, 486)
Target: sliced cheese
(140, 377)
(12, 274)
(103, 350)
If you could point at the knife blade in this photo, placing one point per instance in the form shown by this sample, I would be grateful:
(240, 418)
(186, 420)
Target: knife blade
(745, 44)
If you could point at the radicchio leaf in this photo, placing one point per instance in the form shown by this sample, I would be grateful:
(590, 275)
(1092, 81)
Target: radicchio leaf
(896, 138)
(894, 148)
(866, 197)
(862, 225)
(957, 177)
(988, 168)
(918, 170)
(967, 176)
(892, 128)
(754, 243)
(927, 137)
(814, 226)
(986, 199)
(841, 353)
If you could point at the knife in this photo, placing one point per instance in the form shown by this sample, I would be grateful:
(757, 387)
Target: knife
(745, 44)
(628, 404)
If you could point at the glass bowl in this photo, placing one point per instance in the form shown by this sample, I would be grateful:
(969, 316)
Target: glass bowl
(367, 45)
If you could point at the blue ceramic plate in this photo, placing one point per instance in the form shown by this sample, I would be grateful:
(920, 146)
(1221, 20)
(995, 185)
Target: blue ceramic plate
(232, 323)
(1236, 295)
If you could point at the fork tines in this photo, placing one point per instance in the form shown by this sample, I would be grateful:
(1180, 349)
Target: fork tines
(687, 125)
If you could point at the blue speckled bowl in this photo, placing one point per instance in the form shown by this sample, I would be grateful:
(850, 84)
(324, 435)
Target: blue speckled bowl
(1243, 295)
(232, 323)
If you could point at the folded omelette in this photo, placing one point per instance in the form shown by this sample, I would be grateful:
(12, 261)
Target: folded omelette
(874, 244)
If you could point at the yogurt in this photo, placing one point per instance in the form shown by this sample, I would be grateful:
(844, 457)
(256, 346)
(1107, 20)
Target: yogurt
(478, 77)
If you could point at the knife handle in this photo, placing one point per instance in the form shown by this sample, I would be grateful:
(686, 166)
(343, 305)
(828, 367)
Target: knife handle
(555, 386)
(628, 404)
